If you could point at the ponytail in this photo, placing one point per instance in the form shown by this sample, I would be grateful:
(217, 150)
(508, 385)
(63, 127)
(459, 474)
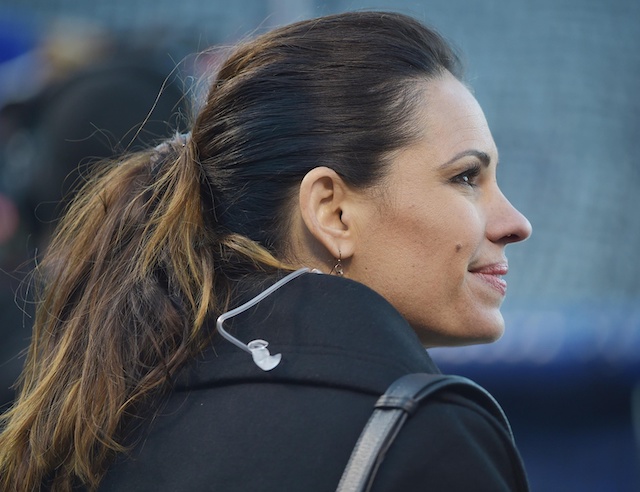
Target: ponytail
(153, 245)
(128, 283)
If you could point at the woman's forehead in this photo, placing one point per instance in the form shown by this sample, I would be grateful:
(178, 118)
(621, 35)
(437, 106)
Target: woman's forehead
(451, 120)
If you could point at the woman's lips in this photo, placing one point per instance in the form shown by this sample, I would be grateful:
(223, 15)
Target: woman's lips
(492, 276)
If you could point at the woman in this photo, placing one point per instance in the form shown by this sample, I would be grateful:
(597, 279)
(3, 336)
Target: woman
(346, 144)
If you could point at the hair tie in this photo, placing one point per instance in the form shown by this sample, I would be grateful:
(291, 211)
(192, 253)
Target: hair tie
(160, 152)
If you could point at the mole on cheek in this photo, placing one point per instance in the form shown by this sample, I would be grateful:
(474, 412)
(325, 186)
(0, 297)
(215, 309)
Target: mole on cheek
(458, 247)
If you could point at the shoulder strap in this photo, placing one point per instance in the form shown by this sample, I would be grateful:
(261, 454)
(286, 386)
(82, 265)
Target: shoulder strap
(392, 409)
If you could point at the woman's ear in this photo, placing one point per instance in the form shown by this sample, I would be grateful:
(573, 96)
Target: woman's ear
(325, 206)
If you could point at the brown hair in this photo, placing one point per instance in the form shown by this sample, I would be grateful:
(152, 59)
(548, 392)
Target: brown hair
(152, 244)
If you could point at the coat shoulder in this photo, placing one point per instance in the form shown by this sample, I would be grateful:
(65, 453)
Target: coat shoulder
(452, 443)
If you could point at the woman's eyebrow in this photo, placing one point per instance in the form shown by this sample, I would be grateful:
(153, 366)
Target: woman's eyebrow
(481, 156)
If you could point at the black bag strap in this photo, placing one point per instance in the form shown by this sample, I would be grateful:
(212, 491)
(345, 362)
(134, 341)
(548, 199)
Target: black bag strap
(391, 411)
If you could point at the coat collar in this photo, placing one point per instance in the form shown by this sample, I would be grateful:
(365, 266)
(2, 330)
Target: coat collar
(329, 330)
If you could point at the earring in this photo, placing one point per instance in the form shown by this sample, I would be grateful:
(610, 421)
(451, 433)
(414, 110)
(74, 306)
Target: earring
(337, 268)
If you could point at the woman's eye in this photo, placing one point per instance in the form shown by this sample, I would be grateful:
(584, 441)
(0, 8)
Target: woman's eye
(468, 177)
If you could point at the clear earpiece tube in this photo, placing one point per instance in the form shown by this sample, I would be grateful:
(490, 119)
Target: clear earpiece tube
(258, 348)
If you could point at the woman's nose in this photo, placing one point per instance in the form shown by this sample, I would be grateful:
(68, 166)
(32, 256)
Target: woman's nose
(506, 224)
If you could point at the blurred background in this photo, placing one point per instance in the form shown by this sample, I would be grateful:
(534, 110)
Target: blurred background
(558, 81)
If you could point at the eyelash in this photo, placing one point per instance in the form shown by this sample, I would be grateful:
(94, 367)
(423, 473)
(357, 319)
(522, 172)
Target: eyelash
(471, 174)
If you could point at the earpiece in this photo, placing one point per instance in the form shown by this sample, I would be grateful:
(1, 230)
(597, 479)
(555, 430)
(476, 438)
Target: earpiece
(261, 356)
(258, 348)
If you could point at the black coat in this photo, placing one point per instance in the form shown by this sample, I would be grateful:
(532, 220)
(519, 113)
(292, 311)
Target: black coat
(228, 426)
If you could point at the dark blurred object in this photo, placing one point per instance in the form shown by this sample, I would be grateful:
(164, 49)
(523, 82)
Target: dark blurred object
(19, 67)
(47, 144)
(95, 115)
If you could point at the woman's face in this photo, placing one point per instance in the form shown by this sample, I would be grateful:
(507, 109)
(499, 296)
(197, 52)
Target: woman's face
(434, 245)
